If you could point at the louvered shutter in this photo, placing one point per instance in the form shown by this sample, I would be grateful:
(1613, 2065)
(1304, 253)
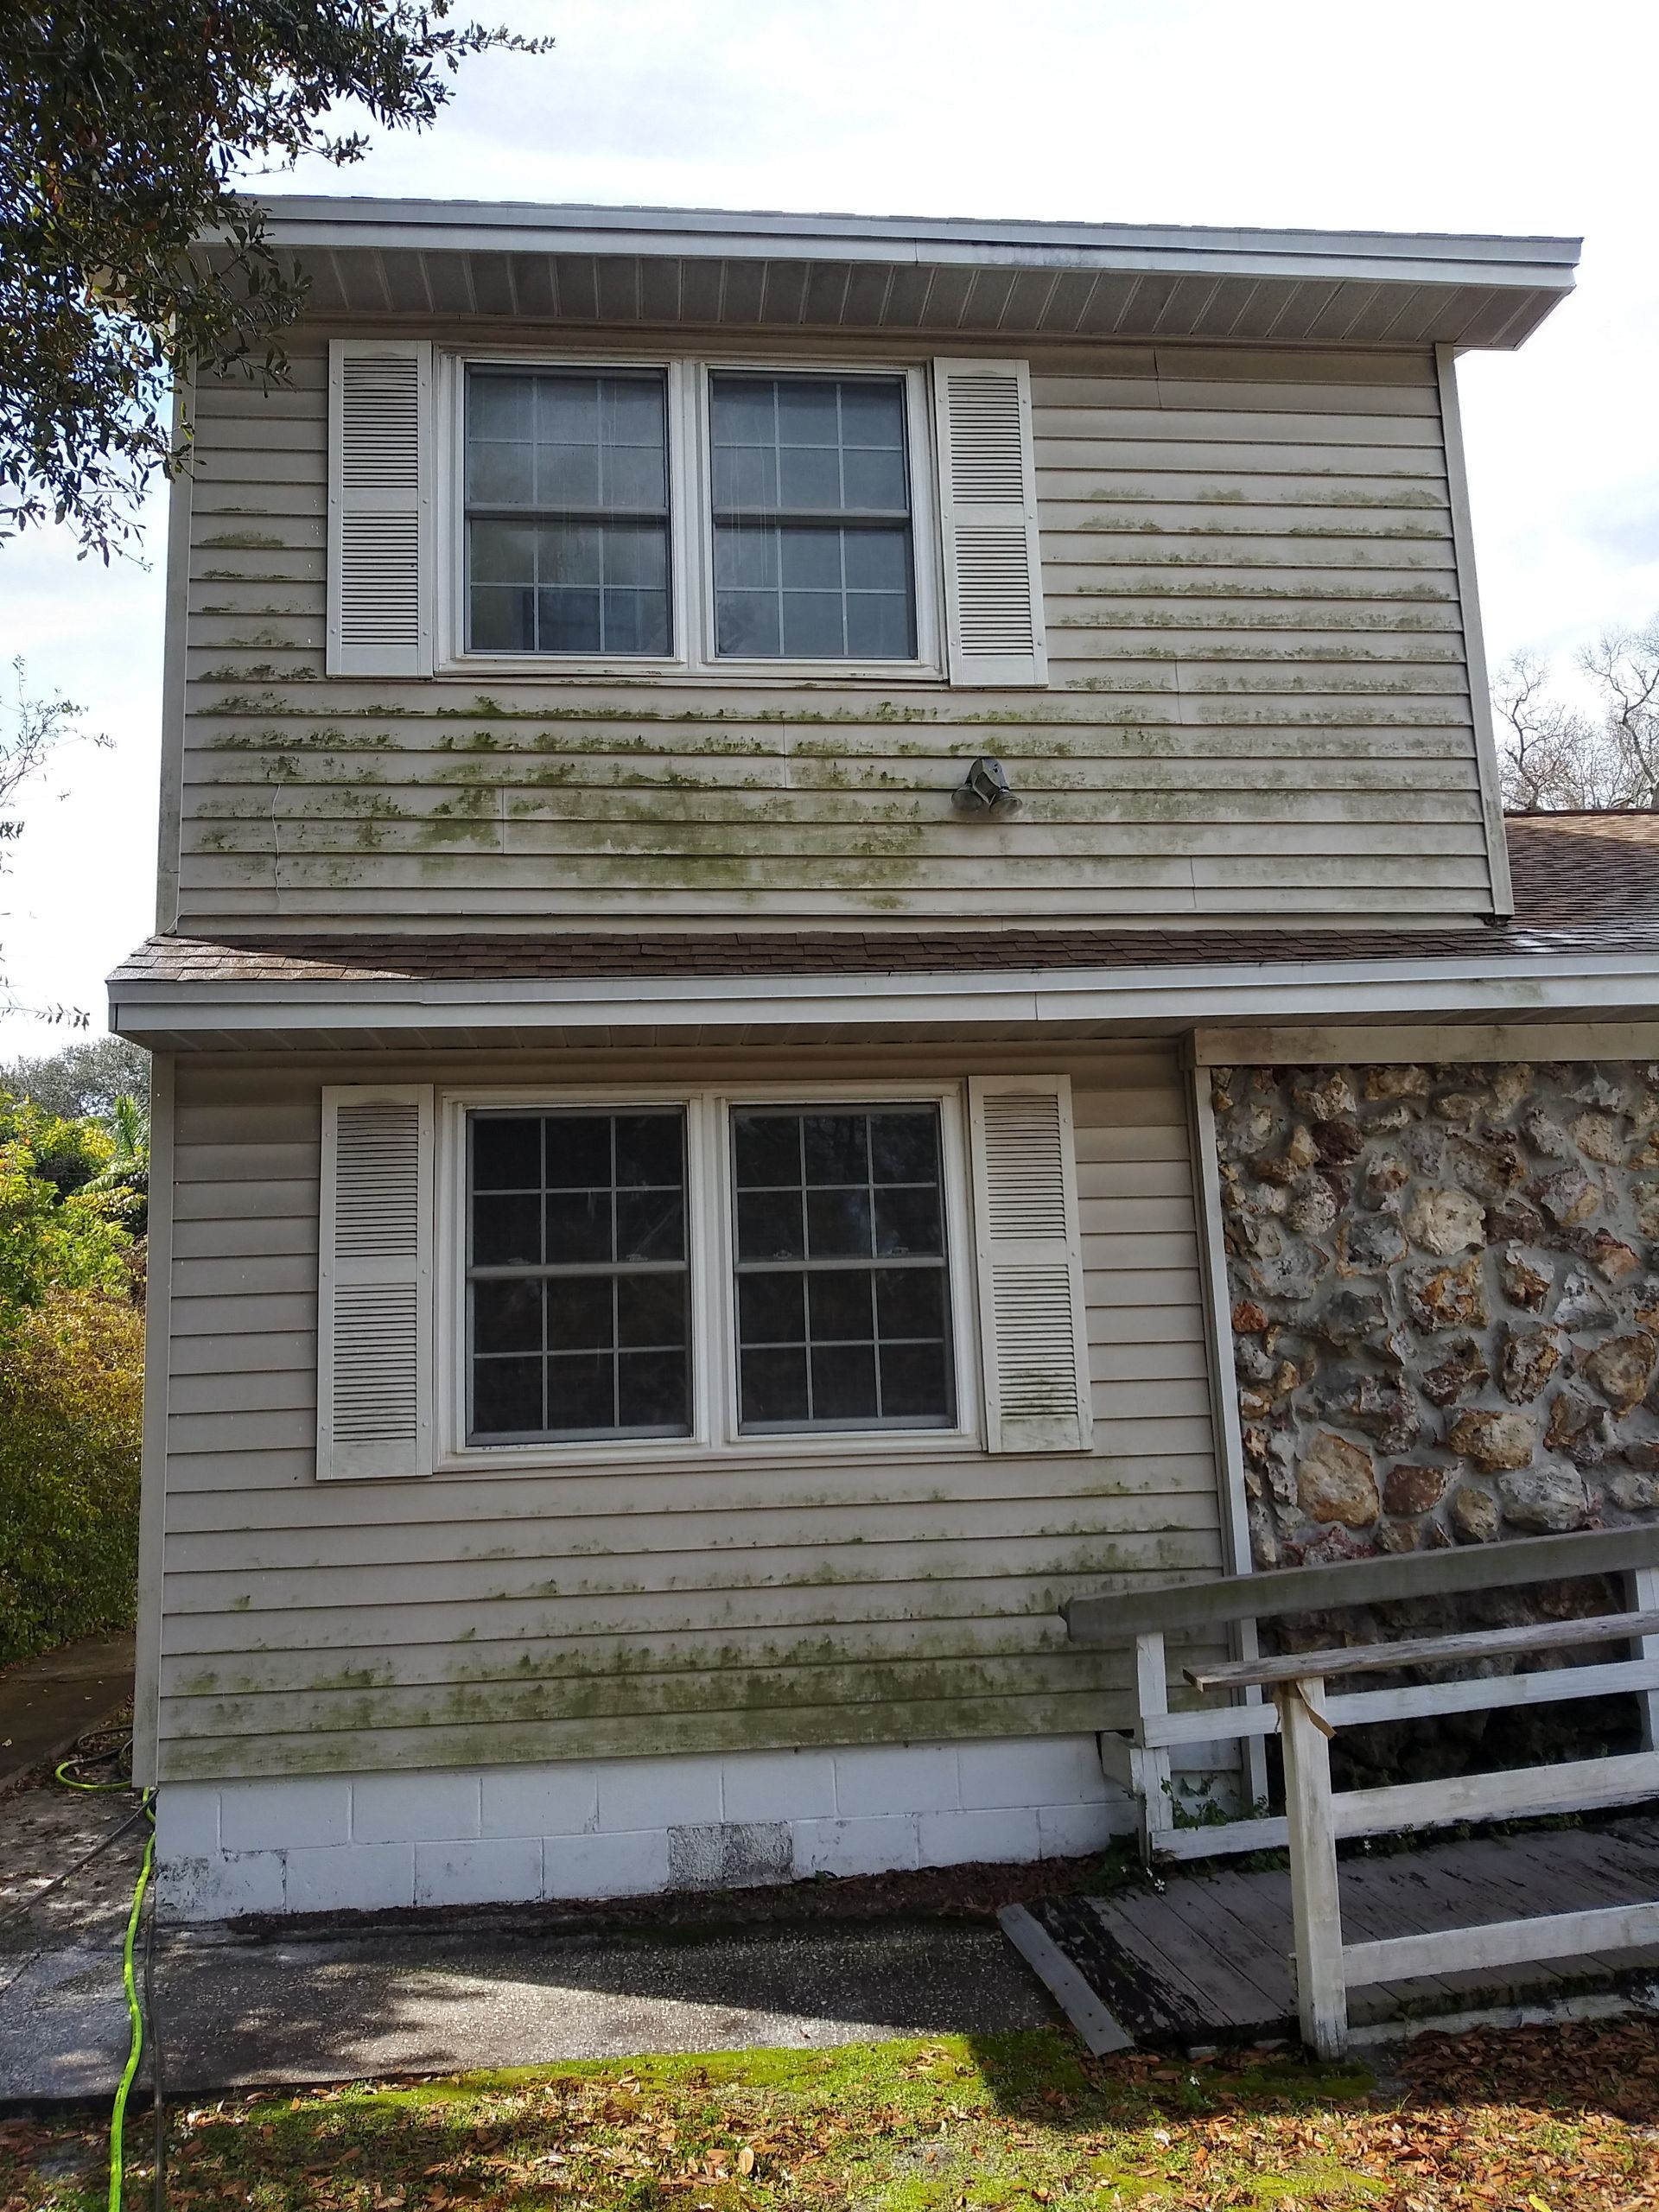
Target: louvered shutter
(987, 513)
(374, 1303)
(1033, 1330)
(379, 507)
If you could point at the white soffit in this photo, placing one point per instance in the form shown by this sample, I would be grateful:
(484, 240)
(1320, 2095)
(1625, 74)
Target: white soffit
(659, 267)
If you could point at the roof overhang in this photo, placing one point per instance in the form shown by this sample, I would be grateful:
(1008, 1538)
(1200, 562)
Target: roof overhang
(660, 267)
(406, 1012)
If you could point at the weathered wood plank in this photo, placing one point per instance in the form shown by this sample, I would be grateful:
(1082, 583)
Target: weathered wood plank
(1501, 1944)
(1363, 1582)
(1426, 1651)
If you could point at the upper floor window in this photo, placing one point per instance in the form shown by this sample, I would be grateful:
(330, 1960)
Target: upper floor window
(811, 519)
(567, 512)
(744, 522)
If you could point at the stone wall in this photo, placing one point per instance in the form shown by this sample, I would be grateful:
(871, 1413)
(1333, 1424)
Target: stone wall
(1445, 1287)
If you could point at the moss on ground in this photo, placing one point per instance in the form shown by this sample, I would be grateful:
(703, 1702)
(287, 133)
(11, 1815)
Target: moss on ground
(1528, 2122)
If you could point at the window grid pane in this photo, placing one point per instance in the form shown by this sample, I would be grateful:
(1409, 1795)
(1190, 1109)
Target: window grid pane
(842, 1293)
(813, 557)
(578, 1282)
(567, 512)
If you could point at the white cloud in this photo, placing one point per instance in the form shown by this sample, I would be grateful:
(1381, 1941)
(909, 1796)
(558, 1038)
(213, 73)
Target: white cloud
(1411, 116)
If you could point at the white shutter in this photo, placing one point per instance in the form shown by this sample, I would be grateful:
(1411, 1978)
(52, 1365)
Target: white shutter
(987, 514)
(374, 1291)
(1032, 1330)
(379, 507)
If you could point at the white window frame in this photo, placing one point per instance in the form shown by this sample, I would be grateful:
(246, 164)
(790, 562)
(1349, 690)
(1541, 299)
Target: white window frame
(690, 525)
(711, 1255)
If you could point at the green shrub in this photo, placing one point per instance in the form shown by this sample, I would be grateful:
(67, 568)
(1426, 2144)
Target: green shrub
(70, 1417)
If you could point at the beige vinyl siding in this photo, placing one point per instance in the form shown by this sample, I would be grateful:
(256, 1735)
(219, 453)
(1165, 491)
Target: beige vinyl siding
(1258, 704)
(740, 1601)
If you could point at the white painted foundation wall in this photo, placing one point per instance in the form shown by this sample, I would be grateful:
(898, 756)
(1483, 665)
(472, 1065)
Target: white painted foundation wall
(624, 1827)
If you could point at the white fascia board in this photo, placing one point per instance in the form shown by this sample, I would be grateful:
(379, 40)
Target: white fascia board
(1353, 991)
(1531, 264)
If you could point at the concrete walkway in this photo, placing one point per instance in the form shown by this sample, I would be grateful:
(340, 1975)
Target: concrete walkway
(45, 1703)
(445, 1991)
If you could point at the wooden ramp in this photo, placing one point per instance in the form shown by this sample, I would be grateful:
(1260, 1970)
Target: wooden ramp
(1207, 1959)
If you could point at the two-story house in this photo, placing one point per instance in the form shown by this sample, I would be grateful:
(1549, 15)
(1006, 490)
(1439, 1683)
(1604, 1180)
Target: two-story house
(727, 781)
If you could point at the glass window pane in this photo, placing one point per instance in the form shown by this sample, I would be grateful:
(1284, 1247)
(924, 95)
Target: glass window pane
(501, 618)
(809, 411)
(745, 558)
(747, 626)
(879, 627)
(905, 1148)
(772, 1386)
(566, 411)
(578, 1227)
(910, 1301)
(507, 1154)
(567, 476)
(507, 1316)
(503, 552)
(915, 1382)
(875, 481)
(838, 1224)
(506, 1396)
(769, 1225)
(579, 1317)
(872, 413)
(814, 626)
(745, 411)
(500, 474)
(771, 1308)
(582, 1390)
(567, 622)
(506, 1231)
(501, 407)
(809, 477)
(768, 1148)
(570, 554)
(650, 1225)
(844, 1382)
(835, 1148)
(877, 560)
(650, 1311)
(653, 1390)
(810, 560)
(650, 1148)
(578, 1151)
(908, 1223)
(746, 480)
(840, 1304)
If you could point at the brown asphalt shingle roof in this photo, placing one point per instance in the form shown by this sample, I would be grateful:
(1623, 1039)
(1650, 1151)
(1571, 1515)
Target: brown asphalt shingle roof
(1584, 883)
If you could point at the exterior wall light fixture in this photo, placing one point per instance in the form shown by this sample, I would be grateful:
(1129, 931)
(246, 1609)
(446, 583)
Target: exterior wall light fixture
(985, 790)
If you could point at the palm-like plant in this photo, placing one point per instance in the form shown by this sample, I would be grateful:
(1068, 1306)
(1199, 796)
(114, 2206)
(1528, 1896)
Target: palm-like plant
(129, 1163)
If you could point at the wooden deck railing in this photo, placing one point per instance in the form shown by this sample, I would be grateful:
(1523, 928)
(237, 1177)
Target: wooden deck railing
(1305, 1717)
(1140, 1757)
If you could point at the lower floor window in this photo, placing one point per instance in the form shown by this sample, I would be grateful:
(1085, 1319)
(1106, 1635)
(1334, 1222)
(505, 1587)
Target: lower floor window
(581, 1278)
(578, 1282)
(842, 1302)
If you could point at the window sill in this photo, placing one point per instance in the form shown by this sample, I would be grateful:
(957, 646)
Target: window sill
(749, 675)
(699, 1454)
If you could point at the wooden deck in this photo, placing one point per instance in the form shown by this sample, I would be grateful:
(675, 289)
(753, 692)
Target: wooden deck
(1208, 1958)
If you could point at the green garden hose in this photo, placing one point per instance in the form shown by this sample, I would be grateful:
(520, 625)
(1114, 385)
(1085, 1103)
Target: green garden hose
(135, 2009)
(117, 2116)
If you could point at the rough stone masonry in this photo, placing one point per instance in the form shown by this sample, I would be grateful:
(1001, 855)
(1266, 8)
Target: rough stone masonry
(1445, 1300)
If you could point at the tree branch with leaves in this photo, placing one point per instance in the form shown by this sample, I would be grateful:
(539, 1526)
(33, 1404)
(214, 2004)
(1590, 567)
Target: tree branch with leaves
(130, 253)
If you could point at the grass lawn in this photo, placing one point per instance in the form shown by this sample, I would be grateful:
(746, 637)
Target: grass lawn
(1527, 2121)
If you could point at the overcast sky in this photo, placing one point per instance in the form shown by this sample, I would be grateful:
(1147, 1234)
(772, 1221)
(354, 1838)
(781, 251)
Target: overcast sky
(1416, 115)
